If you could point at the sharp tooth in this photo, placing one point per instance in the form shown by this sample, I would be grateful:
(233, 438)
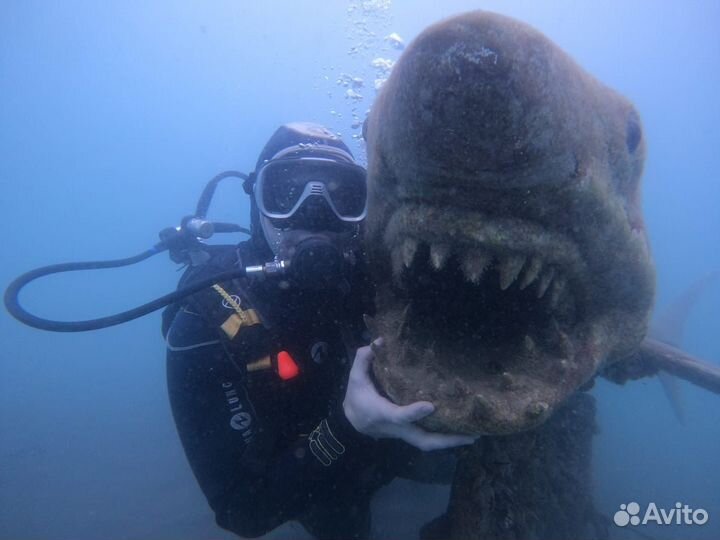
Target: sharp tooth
(562, 340)
(397, 265)
(566, 346)
(509, 269)
(405, 356)
(532, 272)
(474, 264)
(537, 409)
(402, 323)
(409, 248)
(555, 326)
(371, 325)
(558, 287)
(507, 381)
(545, 280)
(529, 344)
(439, 254)
(459, 389)
(481, 408)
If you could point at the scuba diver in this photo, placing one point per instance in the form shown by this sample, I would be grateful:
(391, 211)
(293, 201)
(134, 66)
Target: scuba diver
(277, 422)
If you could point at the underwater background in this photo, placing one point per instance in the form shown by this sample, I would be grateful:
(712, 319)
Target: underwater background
(114, 114)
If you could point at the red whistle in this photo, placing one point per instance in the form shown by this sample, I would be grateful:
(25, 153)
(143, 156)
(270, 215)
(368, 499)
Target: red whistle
(286, 366)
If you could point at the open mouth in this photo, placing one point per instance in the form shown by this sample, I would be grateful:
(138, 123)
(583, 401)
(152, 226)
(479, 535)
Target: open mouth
(494, 328)
(474, 297)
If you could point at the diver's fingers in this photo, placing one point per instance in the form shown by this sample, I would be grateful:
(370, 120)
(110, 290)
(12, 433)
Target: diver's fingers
(361, 365)
(426, 441)
(413, 412)
(359, 373)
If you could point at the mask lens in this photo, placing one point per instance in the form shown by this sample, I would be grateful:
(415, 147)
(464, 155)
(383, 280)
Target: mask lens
(282, 186)
(348, 190)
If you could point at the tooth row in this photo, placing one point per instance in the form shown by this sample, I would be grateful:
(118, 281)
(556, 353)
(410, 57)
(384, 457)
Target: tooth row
(475, 261)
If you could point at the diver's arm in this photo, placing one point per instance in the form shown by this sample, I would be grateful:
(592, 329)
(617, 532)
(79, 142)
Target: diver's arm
(293, 478)
(251, 486)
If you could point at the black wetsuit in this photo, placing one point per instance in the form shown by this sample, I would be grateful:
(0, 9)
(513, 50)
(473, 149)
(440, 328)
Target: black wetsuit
(266, 450)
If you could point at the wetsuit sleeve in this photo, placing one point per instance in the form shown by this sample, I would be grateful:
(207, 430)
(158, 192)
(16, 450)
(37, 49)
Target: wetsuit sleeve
(252, 483)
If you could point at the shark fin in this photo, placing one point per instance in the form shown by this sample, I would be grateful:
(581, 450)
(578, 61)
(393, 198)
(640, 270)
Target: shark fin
(669, 328)
(660, 355)
(673, 392)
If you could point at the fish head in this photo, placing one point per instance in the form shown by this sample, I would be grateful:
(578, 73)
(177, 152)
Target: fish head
(504, 233)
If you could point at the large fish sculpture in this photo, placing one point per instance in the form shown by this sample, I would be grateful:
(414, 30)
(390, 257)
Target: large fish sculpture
(511, 264)
(505, 230)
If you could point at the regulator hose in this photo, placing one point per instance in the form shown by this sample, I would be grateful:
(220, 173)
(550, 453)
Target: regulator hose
(12, 302)
(181, 242)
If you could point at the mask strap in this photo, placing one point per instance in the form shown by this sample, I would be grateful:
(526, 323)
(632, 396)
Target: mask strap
(308, 150)
(249, 182)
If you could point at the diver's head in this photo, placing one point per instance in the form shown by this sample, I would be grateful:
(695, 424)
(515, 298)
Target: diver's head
(307, 190)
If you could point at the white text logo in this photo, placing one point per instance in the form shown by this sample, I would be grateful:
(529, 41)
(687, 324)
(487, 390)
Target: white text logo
(681, 514)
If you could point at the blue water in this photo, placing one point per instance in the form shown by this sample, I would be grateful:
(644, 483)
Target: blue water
(114, 114)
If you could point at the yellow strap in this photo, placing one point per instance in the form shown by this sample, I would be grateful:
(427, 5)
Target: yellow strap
(231, 326)
(264, 363)
(241, 317)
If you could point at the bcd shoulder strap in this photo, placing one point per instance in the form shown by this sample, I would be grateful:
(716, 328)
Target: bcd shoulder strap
(243, 336)
(223, 306)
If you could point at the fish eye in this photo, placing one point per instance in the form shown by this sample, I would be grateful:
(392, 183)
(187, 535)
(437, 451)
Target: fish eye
(633, 133)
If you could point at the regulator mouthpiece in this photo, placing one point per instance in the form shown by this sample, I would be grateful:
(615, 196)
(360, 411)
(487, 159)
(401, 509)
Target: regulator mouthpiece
(317, 264)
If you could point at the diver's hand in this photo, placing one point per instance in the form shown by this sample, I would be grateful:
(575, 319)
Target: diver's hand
(373, 415)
